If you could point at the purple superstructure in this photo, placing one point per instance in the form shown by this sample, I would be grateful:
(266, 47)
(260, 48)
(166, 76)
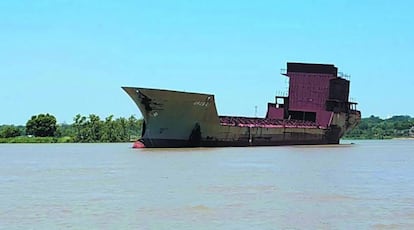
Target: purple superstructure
(315, 94)
(311, 88)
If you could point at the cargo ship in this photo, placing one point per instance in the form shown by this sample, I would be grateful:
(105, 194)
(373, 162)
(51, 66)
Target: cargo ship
(315, 111)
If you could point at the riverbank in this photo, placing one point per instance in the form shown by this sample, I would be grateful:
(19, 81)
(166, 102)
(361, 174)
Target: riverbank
(67, 139)
(47, 140)
(27, 139)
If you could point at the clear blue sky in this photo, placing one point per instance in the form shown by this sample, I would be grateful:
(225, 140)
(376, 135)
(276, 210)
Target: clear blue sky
(66, 57)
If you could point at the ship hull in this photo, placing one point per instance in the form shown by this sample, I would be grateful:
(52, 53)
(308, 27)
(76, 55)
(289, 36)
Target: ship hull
(175, 119)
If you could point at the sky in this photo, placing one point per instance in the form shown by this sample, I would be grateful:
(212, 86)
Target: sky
(68, 57)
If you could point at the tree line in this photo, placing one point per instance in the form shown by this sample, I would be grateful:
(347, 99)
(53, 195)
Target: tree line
(376, 128)
(85, 129)
(92, 128)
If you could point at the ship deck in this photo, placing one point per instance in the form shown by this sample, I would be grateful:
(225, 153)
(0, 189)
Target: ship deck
(266, 123)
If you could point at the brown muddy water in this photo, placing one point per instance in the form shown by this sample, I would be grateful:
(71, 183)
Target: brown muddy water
(365, 185)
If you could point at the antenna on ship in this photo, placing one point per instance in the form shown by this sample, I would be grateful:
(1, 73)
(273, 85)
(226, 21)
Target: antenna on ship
(255, 111)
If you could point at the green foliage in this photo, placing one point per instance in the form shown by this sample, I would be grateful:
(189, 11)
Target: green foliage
(42, 125)
(9, 131)
(134, 127)
(93, 129)
(43, 129)
(377, 128)
(26, 139)
(65, 130)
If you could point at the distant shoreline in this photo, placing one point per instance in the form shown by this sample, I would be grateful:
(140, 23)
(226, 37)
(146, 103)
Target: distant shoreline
(45, 140)
(62, 140)
(403, 138)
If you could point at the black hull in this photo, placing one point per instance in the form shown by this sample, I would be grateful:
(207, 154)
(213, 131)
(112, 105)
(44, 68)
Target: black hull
(167, 143)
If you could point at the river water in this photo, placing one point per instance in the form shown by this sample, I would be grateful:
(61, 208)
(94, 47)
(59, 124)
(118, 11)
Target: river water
(360, 185)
